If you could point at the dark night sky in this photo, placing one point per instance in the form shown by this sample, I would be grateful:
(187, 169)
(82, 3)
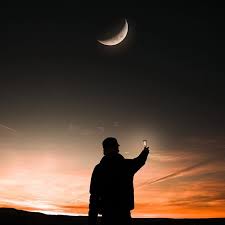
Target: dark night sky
(166, 78)
(169, 73)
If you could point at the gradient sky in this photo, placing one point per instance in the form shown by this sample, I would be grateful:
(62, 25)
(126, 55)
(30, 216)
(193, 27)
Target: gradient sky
(62, 93)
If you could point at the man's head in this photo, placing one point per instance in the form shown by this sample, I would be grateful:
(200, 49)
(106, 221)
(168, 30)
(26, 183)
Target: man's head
(110, 145)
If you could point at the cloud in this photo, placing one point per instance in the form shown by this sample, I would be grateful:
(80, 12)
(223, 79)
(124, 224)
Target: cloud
(100, 129)
(170, 156)
(86, 131)
(11, 130)
(177, 173)
(206, 195)
(116, 124)
(74, 207)
(79, 208)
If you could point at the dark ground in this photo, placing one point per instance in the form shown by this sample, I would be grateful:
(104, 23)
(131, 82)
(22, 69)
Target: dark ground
(13, 217)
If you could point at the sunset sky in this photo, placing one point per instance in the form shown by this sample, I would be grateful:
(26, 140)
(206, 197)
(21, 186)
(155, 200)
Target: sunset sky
(62, 93)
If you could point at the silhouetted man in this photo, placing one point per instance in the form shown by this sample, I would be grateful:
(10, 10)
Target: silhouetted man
(111, 188)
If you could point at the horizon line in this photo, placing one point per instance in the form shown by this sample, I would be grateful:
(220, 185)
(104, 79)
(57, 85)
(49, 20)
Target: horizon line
(52, 213)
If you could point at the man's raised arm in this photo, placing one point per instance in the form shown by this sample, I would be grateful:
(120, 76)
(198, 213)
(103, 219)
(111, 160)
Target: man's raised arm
(139, 161)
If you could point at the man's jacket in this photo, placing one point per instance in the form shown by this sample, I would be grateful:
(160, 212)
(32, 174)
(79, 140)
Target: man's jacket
(111, 187)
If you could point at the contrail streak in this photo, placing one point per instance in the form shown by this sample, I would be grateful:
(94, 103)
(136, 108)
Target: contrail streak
(8, 128)
(176, 173)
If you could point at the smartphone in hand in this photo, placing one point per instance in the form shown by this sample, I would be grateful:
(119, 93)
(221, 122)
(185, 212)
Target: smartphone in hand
(145, 143)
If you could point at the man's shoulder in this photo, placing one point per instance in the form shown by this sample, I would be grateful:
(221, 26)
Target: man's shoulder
(96, 171)
(97, 166)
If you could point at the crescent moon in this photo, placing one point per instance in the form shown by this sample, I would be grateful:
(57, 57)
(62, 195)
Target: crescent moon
(118, 38)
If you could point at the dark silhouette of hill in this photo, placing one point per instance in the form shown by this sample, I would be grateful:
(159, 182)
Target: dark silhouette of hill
(10, 216)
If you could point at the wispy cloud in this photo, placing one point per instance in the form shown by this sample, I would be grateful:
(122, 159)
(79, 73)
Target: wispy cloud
(177, 173)
(8, 128)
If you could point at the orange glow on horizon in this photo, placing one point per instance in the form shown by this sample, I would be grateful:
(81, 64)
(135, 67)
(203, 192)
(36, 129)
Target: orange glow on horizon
(60, 185)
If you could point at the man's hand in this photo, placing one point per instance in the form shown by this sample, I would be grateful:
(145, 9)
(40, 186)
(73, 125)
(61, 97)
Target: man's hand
(146, 150)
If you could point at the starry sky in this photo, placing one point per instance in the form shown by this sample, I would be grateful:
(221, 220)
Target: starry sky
(62, 93)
